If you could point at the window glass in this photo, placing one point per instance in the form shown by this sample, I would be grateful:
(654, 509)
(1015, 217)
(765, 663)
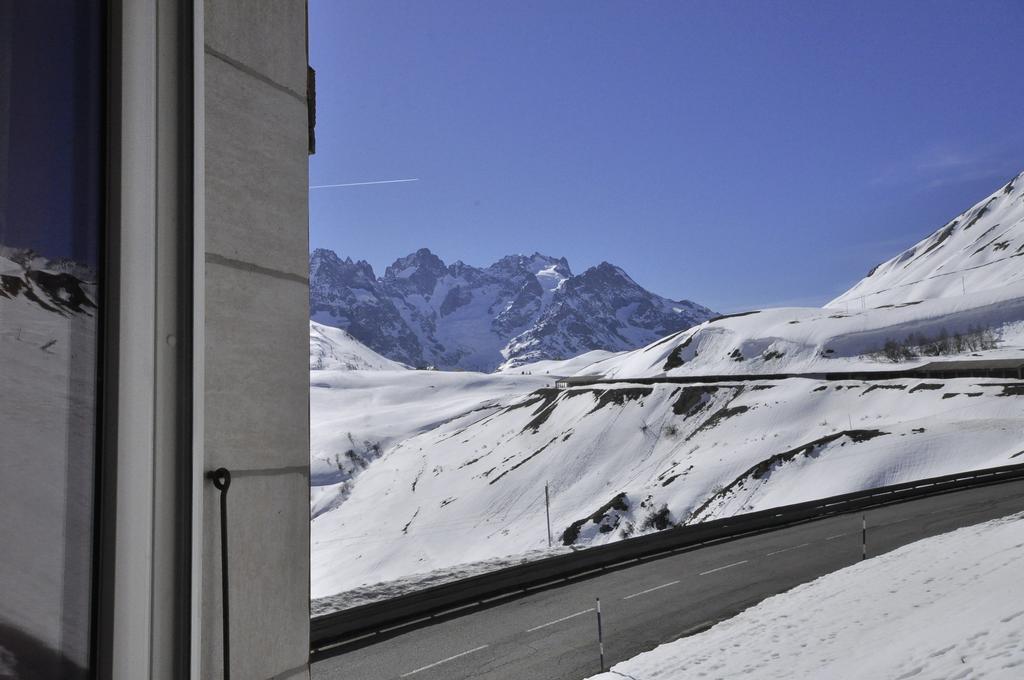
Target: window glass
(51, 199)
(569, 258)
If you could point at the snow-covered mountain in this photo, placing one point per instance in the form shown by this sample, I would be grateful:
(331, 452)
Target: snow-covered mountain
(28, 259)
(333, 348)
(520, 309)
(623, 459)
(60, 286)
(978, 250)
(967, 278)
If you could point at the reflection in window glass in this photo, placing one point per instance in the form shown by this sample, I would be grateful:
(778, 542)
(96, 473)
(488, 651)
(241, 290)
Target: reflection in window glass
(51, 191)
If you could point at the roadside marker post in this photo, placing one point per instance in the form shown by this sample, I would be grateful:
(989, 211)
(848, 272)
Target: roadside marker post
(864, 536)
(547, 511)
(600, 636)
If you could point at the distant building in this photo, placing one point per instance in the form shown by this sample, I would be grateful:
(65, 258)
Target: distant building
(573, 381)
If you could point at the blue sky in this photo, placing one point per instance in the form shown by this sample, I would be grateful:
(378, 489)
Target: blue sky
(740, 154)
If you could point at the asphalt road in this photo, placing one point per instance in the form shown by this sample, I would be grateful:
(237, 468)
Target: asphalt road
(552, 633)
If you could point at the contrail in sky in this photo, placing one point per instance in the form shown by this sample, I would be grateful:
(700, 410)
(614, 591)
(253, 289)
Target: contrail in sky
(361, 184)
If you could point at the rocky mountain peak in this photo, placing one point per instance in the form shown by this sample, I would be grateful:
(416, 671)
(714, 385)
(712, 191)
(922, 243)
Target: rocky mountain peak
(521, 308)
(418, 272)
(325, 267)
(421, 260)
(532, 264)
(608, 278)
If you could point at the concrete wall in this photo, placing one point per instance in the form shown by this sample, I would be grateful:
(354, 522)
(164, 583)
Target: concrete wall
(256, 408)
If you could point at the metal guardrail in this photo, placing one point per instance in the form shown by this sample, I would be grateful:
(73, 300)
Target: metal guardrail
(914, 373)
(443, 600)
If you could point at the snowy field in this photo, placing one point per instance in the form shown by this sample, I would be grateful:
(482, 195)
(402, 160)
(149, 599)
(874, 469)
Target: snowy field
(945, 607)
(362, 405)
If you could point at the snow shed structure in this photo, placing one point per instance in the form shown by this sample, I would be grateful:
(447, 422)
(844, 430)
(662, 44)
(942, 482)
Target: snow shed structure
(972, 368)
(186, 249)
(962, 368)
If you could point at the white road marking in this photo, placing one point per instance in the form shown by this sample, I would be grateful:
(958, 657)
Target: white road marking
(802, 545)
(712, 571)
(838, 536)
(564, 618)
(438, 663)
(650, 590)
(545, 585)
(457, 609)
(405, 624)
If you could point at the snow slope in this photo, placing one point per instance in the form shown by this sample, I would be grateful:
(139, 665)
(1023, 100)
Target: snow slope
(807, 340)
(978, 250)
(358, 415)
(622, 460)
(563, 367)
(943, 607)
(333, 348)
(918, 292)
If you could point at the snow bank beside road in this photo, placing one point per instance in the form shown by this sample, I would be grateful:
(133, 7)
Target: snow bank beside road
(943, 607)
